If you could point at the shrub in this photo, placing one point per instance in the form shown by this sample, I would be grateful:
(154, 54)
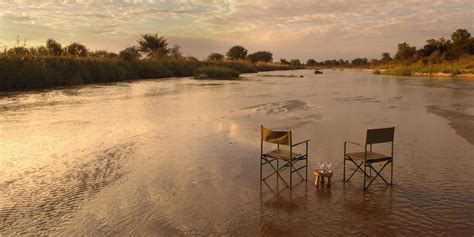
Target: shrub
(216, 72)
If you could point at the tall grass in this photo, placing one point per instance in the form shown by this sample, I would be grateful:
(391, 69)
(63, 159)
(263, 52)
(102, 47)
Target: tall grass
(216, 72)
(30, 72)
(464, 65)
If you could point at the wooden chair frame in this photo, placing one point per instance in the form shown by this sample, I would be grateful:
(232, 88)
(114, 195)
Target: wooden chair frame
(267, 158)
(374, 136)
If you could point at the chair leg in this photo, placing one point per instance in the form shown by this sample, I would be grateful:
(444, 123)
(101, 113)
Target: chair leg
(291, 174)
(378, 174)
(365, 172)
(278, 168)
(306, 168)
(391, 173)
(344, 172)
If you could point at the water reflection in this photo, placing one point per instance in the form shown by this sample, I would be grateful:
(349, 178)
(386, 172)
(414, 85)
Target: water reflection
(180, 157)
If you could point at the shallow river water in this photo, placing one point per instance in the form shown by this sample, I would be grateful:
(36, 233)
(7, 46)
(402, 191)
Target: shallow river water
(181, 157)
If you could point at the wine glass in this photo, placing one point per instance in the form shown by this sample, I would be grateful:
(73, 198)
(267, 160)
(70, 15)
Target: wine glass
(328, 165)
(321, 165)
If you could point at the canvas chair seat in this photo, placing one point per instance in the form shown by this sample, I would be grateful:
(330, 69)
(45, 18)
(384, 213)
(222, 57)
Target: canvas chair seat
(371, 156)
(283, 155)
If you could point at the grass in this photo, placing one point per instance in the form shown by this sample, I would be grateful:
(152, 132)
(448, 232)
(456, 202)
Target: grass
(216, 72)
(30, 72)
(459, 67)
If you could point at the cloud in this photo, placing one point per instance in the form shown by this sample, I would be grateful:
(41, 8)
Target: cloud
(290, 29)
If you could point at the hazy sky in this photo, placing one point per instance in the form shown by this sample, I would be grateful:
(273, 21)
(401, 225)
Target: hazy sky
(290, 29)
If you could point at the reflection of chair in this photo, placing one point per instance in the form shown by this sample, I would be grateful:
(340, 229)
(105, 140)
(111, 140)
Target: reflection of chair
(367, 158)
(288, 157)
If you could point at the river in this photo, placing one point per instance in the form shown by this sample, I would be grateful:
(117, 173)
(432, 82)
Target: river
(180, 156)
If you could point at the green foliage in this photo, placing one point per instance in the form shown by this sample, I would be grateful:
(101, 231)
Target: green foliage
(153, 45)
(460, 36)
(462, 66)
(260, 56)
(215, 57)
(284, 61)
(435, 57)
(268, 66)
(53, 47)
(385, 58)
(51, 65)
(18, 51)
(216, 72)
(102, 54)
(75, 50)
(357, 62)
(311, 62)
(175, 51)
(129, 54)
(236, 53)
(295, 62)
(238, 65)
(405, 52)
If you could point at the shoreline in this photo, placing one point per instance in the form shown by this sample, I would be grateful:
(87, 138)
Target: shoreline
(469, 76)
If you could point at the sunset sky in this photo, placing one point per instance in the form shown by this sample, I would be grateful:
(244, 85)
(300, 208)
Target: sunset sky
(290, 29)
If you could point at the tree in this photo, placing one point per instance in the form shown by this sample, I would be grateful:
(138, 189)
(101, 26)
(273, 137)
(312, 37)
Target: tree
(152, 44)
(284, 61)
(311, 62)
(460, 36)
(76, 49)
(18, 51)
(176, 51)
(435, 57)
(129, 54)
(430, 46)
(385, 58)
(295, 62)
(39, 51)
(260, 56)
(237, 52)
(103, 54)
(357, 62)
(53, 47)
(405, 52)
(463, 43)
(215, 57)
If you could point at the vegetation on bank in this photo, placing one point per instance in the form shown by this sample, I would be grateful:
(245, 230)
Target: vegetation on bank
(441, 57)
(52, 65)
(219, 72)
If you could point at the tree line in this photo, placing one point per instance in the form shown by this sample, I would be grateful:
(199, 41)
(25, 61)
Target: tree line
(435, 51)
(153, 46)
(150, 46)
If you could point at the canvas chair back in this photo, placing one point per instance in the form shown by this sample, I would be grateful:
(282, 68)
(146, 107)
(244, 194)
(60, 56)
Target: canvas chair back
(276, 137)
(380, 135)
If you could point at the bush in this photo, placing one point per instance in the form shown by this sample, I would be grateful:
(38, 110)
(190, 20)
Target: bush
(25, 72)
(216, 72)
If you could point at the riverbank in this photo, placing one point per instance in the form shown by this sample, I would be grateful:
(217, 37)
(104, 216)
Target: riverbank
(19, 73)
(461, 68)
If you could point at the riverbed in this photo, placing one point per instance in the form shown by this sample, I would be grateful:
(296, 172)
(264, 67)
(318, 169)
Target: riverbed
(180, 156)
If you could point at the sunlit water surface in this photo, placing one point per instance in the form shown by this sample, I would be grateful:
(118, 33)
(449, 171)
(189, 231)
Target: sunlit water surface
(181, 156)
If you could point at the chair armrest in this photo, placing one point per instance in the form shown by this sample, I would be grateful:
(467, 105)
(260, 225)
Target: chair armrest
(355, 143)
(299, 143)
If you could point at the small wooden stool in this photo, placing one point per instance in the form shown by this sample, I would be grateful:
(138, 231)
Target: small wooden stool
(319, 176)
